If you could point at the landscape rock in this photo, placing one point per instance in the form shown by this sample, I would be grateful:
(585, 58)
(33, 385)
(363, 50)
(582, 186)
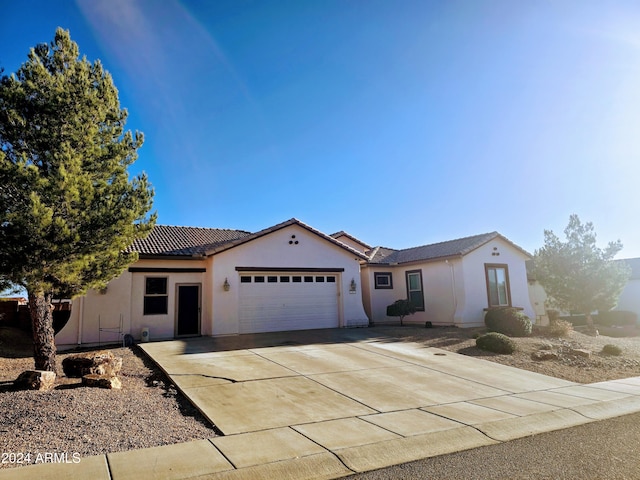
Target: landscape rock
(35, 380)
(102, 362)
(542, 355)
(101, 381)
(581, 352)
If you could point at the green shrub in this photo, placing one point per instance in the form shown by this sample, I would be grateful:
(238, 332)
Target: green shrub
(401, 308)
(616, 317)
(610, 349)
(496, 342)
(508, 321)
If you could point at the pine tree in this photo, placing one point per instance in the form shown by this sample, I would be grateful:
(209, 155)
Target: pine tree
(68, 209)
(576, 274)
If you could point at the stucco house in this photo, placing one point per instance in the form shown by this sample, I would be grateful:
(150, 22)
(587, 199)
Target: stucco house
(204, 281)
(630, 297)
(451, 283)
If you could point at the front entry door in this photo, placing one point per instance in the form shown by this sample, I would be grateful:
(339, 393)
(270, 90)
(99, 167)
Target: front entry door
(188, 315)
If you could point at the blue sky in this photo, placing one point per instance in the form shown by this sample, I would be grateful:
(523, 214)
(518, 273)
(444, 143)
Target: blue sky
(402, 122)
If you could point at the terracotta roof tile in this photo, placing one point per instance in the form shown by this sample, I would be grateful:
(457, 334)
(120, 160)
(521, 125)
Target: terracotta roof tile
(460, 246)
(184, 241)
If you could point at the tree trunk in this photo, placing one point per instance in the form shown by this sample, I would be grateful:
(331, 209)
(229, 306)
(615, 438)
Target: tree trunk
(44, 347)
(590, 326)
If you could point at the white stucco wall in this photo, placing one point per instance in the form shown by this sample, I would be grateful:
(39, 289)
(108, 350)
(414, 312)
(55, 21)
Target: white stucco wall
(497, 251)
(630, 297)
(273, 250)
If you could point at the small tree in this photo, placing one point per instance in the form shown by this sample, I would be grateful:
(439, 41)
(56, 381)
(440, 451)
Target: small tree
(576, 274)
(401, 308)
(68, 209)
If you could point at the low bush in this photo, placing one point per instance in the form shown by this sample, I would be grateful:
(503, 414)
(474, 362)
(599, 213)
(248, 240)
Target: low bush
(576, 320)
(559, 328)
(496, 342)
(616, 317)
(610, 349)
(508, 321)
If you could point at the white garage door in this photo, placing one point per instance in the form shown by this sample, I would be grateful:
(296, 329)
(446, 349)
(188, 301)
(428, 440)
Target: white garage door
(275, 301)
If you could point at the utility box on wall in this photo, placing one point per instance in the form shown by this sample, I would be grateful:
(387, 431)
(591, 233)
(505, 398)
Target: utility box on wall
(145, 334)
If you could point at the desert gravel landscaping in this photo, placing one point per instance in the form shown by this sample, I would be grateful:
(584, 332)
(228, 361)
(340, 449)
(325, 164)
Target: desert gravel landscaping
(148, 411)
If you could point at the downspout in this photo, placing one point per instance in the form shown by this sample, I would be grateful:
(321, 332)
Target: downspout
(80, 317)
(453, 290)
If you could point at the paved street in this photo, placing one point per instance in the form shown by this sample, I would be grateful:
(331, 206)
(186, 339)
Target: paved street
(605, 450)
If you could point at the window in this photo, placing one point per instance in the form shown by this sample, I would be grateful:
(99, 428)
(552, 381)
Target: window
(258, 279)
(498, 293)
(155, 296)
(245, 279)
(382, 280)
(414, 289)
(308, 279)
(284, 279)
(296, 279)
(331, 279)
(319, 279)
(272, 279)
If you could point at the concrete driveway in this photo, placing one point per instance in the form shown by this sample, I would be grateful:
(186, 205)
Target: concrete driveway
(327, 403)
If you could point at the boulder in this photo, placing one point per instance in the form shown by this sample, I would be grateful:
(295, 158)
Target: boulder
(542, 355)
(35, 380)
(581, 352)
(102, 362)
(101, 381)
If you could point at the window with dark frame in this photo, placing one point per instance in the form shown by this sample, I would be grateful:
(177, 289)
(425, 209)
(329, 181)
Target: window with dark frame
(296, 279)
(382, 280)
(156, 298)
(415, 293)
(308, 279)
(245, 279)
(319, 279)
(272, 279)
(284, 279)
(258, 279)
(331, 279)
(498, 291)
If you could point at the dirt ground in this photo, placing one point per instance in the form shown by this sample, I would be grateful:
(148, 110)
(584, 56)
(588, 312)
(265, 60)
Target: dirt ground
(148, 411)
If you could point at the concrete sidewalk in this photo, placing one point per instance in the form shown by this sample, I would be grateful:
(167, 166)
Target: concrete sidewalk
(328, 403)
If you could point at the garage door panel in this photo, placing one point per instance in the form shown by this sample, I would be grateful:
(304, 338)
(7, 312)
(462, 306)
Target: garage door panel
(279, 306)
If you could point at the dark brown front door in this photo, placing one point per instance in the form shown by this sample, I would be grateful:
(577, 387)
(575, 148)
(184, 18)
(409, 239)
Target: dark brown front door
(188, 318)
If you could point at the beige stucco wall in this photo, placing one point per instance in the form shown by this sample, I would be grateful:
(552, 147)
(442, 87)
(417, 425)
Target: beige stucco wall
(274, 250)
(438, 284)
(124, 298)
(455, 290)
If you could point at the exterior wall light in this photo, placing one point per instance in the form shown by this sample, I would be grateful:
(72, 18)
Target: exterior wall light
(352, 286)
(226, 285)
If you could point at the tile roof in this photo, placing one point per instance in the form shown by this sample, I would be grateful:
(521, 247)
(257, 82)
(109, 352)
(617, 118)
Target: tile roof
(345, 234)
(451, 248)
(183, 241)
